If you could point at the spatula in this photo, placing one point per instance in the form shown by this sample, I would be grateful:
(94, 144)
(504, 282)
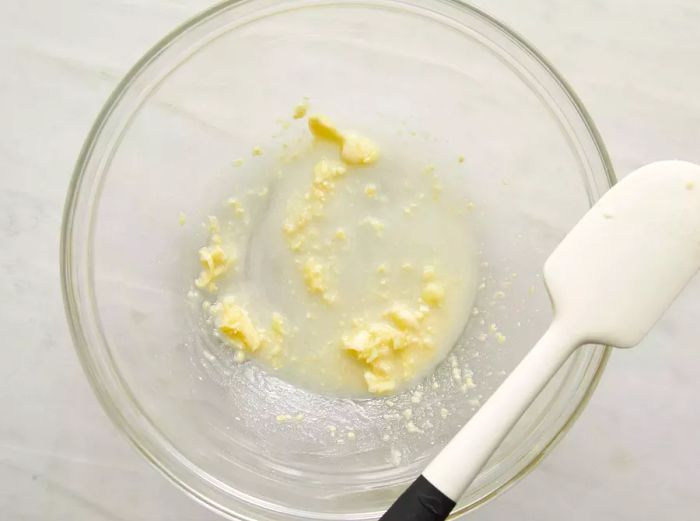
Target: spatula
(609, 280)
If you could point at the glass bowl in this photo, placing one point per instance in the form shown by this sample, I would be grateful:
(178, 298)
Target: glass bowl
(435, 77)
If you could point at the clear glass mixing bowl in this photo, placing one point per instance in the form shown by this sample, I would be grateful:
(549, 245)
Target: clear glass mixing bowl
(165, 142)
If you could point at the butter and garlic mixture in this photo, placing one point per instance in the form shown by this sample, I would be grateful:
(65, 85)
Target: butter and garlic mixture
(349, 270)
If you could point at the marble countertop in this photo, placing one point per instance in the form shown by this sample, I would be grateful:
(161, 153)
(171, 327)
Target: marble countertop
(632, 456)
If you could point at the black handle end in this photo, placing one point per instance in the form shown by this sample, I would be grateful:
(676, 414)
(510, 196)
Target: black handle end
(422, 501)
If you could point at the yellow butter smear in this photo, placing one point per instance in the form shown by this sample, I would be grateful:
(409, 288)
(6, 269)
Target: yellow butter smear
(355, 150)
(233, 320)
(235, 324)
(389, 348)
(213, 259)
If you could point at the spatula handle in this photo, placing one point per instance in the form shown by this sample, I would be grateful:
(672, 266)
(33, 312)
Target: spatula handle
(422, 501)
(447, 477)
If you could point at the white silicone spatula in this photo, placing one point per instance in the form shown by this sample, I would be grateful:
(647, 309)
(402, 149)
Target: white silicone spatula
(610, 280)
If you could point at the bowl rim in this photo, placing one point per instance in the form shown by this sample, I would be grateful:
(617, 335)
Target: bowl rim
(68, 288)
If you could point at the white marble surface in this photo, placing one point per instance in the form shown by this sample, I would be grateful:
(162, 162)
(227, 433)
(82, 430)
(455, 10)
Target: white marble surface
(633, 455)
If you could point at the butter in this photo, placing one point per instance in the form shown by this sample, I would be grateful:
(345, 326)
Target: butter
(375, 346)
(297, 226)
(386, 347)
(365, 309)
(325, 175)
(359, 150)
(322, 128)
(354, 148)
(316, 278)
(433, 294)
(299, 217)
(278, 325)
(379, 384)
(404, 318)
(235, 324)
(301, 109)
(214, 263)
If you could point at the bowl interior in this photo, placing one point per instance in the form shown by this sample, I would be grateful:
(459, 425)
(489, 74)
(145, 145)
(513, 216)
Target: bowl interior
(431, 80)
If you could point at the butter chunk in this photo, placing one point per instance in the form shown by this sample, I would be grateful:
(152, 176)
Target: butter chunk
(316, 277)
(433, 294)
(325, 174)
(301, 109)
(379, 384)
(386, 347)
(323, 128)
(214, 263)
(278, 325)
(236, 325)
(354, 148)
(359, 150)
(404, 318)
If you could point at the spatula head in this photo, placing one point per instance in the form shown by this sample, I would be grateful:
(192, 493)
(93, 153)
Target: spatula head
(623, 264)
